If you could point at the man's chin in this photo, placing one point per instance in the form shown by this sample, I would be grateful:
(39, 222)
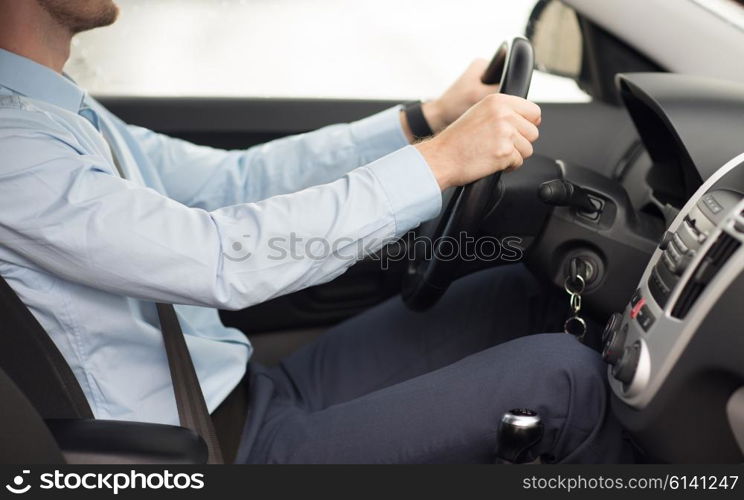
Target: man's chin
(113, 14)
(81, 15)
(105, 17)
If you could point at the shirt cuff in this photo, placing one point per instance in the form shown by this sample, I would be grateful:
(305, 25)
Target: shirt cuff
(410, 187)
(379, 134)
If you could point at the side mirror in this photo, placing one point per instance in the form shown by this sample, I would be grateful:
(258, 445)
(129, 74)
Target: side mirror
(554, 31)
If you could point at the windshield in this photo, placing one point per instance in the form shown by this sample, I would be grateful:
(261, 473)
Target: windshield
(366, 49)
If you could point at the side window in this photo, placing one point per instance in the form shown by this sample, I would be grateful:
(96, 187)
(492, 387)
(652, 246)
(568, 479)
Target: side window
(365, 49)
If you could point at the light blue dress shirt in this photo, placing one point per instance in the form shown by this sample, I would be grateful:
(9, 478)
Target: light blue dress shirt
(88, 251)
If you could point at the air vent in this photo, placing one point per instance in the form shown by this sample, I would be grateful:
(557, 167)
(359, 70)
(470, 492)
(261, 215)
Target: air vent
(718, 254)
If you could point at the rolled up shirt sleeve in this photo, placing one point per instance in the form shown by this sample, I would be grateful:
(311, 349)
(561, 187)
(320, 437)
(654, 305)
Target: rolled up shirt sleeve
(64, 211)
(209, 178)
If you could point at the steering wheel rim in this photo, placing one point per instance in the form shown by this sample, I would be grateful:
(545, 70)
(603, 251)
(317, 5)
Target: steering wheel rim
(428, 276)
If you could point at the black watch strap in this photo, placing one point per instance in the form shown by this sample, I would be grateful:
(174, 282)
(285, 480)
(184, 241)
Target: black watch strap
(417, 121)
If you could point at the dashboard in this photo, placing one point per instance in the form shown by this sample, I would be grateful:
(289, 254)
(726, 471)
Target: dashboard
(676, 351)
(662, 253)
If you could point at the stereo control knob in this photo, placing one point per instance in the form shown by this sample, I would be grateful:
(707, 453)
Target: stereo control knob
(613, 324)
(614, 345)
(626, 367)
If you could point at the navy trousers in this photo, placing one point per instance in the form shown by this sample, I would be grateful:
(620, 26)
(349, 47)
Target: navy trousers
(395, 386)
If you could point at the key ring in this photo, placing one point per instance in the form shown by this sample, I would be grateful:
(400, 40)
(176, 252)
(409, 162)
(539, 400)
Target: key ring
(580, 288)
(574, 321)
(575, 303)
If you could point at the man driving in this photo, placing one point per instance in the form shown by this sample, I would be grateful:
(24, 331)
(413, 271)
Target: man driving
(100, 220)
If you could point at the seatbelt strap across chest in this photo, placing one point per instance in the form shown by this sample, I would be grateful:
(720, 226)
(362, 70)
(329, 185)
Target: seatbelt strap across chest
(192, 409)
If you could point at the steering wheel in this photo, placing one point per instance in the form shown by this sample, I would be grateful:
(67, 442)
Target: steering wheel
(429, 274)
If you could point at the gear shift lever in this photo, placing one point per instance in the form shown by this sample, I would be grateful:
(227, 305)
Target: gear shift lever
(519, 430)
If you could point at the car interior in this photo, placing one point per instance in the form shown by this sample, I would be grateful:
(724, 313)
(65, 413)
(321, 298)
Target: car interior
(638, 194)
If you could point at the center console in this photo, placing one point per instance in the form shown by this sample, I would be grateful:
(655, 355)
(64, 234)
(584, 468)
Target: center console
(676, 353)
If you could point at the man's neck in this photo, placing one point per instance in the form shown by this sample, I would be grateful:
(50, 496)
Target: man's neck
(27, 30)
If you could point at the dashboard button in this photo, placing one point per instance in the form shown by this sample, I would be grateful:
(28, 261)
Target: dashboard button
(659, 290)
(668, 237)
(684, 262)
(637, 308)
(712, 204)
(668, 261)
(674, 254)
(689, 235)
(667, 277)
(681, 247)
(636, 297)
(645, 318)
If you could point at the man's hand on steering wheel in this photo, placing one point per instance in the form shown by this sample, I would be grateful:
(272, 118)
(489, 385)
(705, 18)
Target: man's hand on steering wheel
(494, 135)
(467, 90)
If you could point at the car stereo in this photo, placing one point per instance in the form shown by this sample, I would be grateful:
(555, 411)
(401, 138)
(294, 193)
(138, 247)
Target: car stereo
(676, 353)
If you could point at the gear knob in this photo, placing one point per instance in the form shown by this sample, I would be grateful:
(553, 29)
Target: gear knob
(519, 430)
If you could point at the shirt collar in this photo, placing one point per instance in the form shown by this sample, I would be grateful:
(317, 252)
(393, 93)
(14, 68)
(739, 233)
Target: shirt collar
(33, 80)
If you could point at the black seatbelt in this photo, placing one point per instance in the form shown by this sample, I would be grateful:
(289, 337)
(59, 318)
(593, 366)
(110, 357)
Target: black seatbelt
(192, 409)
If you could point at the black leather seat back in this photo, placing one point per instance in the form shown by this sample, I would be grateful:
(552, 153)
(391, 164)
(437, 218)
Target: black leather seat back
(24, 437)
(32, 361)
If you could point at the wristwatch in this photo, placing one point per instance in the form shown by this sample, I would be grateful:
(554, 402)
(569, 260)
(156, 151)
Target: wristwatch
(417, 121)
